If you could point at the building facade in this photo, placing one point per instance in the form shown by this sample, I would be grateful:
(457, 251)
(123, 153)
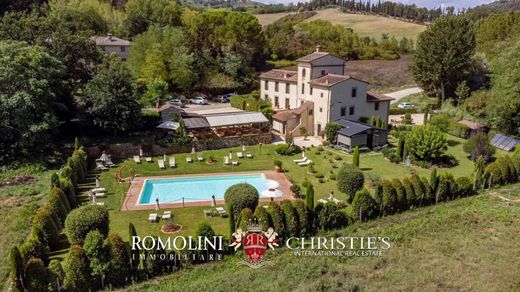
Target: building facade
(320, 88)
(111, 44)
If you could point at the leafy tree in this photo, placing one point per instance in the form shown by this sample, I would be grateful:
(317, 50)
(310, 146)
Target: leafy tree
(350, 180)
(35, 278)
(240, 196)
(98, 257)
(496, 30)
(504, 105)
(355, 158)
(118, 261)
(77, 270)
(478, 145)
(157, 91)
(443, 53)
(462, 92)
(110, 99)
(141, 14)
(30, 85)
(364, 207)
(426, 143)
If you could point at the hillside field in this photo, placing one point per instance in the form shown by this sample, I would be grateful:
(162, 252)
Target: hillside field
(364, 25)
(470, 244)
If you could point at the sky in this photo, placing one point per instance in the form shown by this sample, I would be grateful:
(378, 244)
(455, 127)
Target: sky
(420, 3)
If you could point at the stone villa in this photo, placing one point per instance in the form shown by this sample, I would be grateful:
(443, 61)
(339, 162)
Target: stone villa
(320, 91)
(111, 44)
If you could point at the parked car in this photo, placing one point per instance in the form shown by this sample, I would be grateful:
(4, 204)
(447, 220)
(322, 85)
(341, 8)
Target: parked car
(222, 98)
(198, 100)
(406, 105)
(176, 102)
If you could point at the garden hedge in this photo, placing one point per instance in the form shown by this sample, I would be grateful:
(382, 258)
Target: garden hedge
(35, 276)
(364, 207)
(390, 203)
(16, 268)
(245, 218)
(277, 217)
(44, 220)
(119, 261)
(410, 193)
(330, 216)
(240, 196)
(303, 217)
(401, 194)
(262, 217)
(350, 180)
(291, 219)
(56, 275)
(77, 270)
(85, 219)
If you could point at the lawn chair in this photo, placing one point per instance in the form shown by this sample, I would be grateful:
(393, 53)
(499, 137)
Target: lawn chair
(152, 217)
(240, 155)
(249, 155)
(189, 160)
(221, 211)
(200, 158)
(300, 160)
(98, 190)
(161, 164)
(149, 159)
(234, 162)
(109, 162)
(137, 159)
(305, 163)
(323, 201)
(100, 195)
(208, 212)
(100, 203)
(100, 166)
(226, 160)
(172, 162)
(167, 215)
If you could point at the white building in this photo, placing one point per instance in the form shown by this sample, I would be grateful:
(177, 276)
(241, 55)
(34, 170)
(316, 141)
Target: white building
(111, 44)
(320, 92)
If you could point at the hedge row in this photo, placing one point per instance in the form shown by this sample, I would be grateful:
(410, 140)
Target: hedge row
(505, 170)
(48, 223)
(397, 196)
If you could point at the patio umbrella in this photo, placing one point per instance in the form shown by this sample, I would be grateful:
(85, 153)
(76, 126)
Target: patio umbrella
(230, 155)
(213, 201)
(192, 150)
(97, 181)
(93, 198)
(140, 151)
(157, 206)
(303, 154)
(103, 157)
(272, 193)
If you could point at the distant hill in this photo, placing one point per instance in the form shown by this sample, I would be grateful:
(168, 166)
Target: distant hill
(482, 11)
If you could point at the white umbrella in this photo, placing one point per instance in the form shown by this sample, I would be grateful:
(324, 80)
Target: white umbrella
(93, 198)
(157, 207)
(140, 151)
(103, 157)
(272, 193)
(303, 154)
(97, 182)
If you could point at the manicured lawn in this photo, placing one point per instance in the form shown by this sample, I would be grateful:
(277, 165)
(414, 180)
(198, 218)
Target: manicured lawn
(326, 162)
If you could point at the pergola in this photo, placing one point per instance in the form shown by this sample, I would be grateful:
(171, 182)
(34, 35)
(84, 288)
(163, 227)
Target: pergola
(228, 125)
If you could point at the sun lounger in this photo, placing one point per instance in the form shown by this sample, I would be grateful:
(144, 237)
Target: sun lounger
(323, 201)
(109, 163)
(100, 195)
(100, 166)
(249, 155)
(98, 190)
(152, 217)
(100, 203)
(300, 160)
(240, 155)
(221, 211)
(167, 215)
(137, 159)
(172, 162)
(226, 160)
(161, 164)
(305, 163)
(189, 160)
(200, 158)
(234, 162)
(148, 159)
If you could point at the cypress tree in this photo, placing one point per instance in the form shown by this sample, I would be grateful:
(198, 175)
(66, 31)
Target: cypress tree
(479, 173)
(134, 253)
(309, 198)
(17, 268)
(355, 159)
(77, 145)
(231, 220)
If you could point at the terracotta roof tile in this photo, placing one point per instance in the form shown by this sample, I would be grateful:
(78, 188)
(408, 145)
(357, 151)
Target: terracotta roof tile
(329, 80)
(375, 97)
(284, 116)
(284, 75)
(312, 57)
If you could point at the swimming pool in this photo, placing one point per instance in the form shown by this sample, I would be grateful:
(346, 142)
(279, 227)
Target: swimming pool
(193, 189)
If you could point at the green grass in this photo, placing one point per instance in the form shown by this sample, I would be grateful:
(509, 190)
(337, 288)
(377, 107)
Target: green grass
(17, 207)
(326, 161)
(463, 245)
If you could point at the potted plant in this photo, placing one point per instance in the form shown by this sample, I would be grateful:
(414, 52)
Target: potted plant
(211, 159)
(278, 165)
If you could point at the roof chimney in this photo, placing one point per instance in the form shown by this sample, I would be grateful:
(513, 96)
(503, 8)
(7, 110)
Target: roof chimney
(327, 81)
(318, 48)
(109, 36)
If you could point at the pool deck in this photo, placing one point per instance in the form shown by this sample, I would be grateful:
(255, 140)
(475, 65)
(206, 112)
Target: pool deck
(132, 196)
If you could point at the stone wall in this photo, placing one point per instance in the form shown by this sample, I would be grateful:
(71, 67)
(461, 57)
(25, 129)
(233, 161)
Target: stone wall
(126, 150)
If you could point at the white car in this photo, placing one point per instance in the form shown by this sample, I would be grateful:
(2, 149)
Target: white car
(198, 100)
(406, 105)
(176, 102)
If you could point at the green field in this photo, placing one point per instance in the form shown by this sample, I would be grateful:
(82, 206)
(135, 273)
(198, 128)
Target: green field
(467, 244)
(364, 25)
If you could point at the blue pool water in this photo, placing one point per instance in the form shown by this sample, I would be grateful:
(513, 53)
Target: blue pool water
(172, 190)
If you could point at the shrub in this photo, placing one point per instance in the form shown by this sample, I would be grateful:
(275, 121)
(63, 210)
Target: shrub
(278, 163)
(458, 130)
(390, 204)
(35, 278)
(446, 188)
(118, 268)
(98, 258)
(492, 174)
(402, 111)
(262, 217)
(479, 145)
(441, 121)
(44, 220)
(350, 180)
(276, 214)
(245, 217)
(401, 194)
(355, 158)
(292, 227)
(330, 216)
(85, 219)
(56, 205)
(331, 129)
(284, 149)
(295, 189)
(77, 270)
(407, 119)
(68, 188)
(240, 196)
(134, 253)
(426, 143)
(420, 190)
(434, 180)
(56, 275)
(410, 193)
(17, 268)
(309, 198)
(364, 207)
(303, 217)
(204, 230)
(35, 247)
(430, 199)
(464, 186)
